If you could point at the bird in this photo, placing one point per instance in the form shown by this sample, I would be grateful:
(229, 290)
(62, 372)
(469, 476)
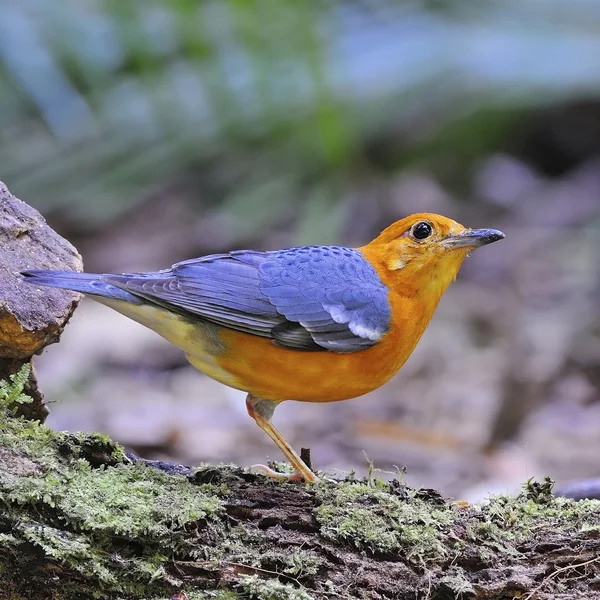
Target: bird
(310, 323)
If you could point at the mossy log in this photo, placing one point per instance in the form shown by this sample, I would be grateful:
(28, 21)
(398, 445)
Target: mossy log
(80, 519)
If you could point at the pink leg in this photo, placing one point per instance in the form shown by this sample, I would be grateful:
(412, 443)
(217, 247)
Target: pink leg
(261, 411)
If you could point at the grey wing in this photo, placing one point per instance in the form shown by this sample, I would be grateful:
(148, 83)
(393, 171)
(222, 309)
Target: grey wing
(311, 298)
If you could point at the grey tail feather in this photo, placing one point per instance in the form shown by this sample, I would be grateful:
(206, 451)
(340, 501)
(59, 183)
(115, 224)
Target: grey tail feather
(85, 283)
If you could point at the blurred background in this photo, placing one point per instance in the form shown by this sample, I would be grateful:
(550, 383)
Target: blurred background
(151, 132)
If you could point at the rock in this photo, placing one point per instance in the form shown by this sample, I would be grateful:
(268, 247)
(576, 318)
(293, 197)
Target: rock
(30, 317)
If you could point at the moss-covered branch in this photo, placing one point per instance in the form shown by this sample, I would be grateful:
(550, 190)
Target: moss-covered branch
(80, 519)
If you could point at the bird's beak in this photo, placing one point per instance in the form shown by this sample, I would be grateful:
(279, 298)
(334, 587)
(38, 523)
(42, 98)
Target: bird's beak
(473, 238)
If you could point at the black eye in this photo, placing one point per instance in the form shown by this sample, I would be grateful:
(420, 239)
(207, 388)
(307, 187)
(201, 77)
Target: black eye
(421, 230)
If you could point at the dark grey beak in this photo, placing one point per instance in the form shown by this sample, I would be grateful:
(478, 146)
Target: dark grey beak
(474, 238)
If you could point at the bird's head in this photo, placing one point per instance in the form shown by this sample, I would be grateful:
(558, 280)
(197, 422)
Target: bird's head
(426, 250)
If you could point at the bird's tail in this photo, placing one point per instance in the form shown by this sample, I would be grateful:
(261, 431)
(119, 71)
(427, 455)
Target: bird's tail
(86, 283)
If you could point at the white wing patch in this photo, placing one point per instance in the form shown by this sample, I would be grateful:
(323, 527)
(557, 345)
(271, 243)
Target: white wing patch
(365, 332)
(338, 313)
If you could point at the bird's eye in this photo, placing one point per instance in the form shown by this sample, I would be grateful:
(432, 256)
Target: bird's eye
(421, 230)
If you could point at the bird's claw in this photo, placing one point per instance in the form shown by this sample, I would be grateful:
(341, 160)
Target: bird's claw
(296, 476)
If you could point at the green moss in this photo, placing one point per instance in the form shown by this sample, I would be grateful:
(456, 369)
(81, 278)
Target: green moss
(302, 563)
(373, 517)
(122, 526)
(127, 501)
(208, 595)
(69, 548)
(56, 469)
(251, 587)
(134, 500)
(92, 509)
(7, 540)
(515, 519)
(269, 589)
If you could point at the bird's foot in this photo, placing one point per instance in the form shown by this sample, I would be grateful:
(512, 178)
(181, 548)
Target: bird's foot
(307, 476)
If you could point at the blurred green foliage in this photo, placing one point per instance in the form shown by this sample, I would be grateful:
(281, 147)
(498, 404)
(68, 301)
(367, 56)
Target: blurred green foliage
(262, 104)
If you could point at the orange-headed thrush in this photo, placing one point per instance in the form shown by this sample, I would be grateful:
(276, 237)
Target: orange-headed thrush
(314, 324)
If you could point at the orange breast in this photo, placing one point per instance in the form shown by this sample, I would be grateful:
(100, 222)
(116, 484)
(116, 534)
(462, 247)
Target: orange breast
(256, 365)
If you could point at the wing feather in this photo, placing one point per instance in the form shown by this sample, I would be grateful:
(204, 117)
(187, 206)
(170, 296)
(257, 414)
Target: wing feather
(309, 298)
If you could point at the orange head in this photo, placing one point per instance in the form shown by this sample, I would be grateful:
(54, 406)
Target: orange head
(422, 253)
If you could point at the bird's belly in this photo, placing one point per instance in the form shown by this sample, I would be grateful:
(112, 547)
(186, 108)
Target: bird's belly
(258, 366)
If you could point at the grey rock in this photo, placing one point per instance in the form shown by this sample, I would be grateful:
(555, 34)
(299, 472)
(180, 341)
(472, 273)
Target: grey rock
(30, 317)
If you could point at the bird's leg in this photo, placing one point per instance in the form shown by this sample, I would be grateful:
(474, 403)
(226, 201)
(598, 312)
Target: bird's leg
(261, 411)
